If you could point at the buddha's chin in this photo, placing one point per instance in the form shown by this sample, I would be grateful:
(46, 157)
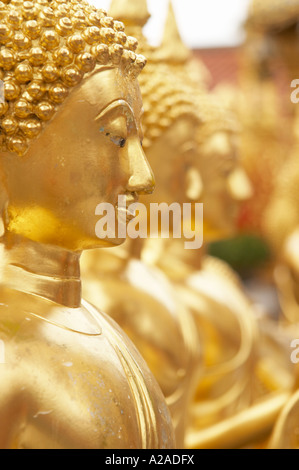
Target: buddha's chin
(97, 243)
(124, 216)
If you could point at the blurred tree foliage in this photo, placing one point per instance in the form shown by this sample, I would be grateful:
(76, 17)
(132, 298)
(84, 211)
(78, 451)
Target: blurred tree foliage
(245, 253)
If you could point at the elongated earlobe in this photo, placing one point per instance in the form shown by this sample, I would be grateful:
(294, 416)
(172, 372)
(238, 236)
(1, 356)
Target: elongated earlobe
(194, 184)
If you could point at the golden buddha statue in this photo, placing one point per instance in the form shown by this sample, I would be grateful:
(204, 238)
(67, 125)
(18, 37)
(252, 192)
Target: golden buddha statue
(70, 139)
(236, 370)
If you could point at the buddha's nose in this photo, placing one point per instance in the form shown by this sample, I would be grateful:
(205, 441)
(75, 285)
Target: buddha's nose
(194, 184)
(141, 178)
(239, 185)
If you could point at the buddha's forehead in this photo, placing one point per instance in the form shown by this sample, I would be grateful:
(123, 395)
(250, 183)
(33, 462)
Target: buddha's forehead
(180, 132)
(218, 154)
(107, 86)
(221, 144)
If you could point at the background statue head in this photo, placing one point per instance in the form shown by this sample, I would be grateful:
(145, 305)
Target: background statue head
(70, 124)
(191, 140)
(170, 124)
(225, 183)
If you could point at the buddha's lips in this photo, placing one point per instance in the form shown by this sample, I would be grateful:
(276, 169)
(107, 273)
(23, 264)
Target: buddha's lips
(125, 210)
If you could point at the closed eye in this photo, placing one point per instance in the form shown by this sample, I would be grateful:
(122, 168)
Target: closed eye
(117, 140)
(121, 142)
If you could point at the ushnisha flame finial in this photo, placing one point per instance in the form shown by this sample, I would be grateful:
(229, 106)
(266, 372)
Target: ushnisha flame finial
(173, 49)
(47, 48)
(134, 15)
(174, 52)
(131, 13)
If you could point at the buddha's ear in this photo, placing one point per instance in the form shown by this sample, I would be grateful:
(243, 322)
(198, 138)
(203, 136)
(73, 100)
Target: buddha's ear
(194, 184)
(239, 185)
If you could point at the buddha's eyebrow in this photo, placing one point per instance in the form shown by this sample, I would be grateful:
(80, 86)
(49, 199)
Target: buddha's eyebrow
(118, 104)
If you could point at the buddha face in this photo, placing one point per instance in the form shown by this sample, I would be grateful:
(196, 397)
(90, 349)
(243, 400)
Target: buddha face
(90, 153)
(169, 157)
(208, 173)
(225, 184)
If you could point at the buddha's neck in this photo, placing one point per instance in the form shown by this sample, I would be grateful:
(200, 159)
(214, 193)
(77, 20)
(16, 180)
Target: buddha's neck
(43, 270)
(107, 262)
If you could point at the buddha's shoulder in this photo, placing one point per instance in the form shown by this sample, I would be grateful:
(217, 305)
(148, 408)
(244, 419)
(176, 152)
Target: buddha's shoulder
(222, 269)
(89, 362)
(217, 282)
(50, 334)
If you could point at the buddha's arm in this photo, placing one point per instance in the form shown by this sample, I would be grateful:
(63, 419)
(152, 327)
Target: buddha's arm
(291, 250)
(242, 429)
(285, 434)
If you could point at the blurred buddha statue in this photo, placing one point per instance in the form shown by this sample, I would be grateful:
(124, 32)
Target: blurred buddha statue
(226, 320)
(269, 58)
(173, 52)
(70, 139)
(285, 433)
(277, 22)
(265, 138)
(281, 225)
(140, 298)
(237, 370)
(272, 16)
(277, 25)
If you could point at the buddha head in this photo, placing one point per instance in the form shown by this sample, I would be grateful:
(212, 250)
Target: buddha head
(278, 21)
(170, 124)
(191, 141)
(225, 183)
(70, 123)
